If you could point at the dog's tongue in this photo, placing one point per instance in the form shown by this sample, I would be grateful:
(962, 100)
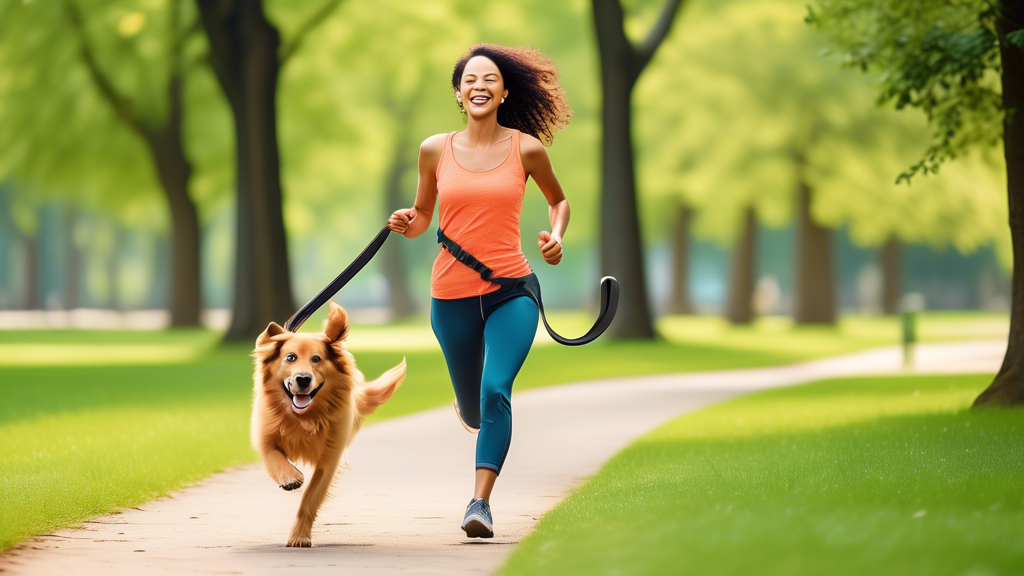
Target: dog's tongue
(301, 400)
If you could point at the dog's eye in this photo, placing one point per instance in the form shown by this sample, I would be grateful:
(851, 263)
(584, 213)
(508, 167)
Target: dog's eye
(291, 357)
(315, 358)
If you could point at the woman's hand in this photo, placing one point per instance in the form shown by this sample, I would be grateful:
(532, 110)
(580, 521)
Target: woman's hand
(550, 247)
(400, 219)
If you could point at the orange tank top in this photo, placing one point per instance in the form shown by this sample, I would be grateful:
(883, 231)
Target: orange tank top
(479, 210)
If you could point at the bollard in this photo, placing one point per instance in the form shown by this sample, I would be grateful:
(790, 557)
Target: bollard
(910, 305)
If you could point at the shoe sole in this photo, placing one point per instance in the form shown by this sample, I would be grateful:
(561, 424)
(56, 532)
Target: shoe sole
(477, 529)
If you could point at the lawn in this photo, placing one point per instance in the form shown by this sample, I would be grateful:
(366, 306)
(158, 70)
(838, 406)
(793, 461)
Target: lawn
(855, 476)
(99, 420)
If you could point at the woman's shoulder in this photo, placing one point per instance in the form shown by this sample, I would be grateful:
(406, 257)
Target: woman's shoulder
(531, 151)
(434, 144)
(529, 142)
(431, 151)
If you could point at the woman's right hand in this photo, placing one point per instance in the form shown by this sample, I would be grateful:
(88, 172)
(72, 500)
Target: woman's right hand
(400, 219)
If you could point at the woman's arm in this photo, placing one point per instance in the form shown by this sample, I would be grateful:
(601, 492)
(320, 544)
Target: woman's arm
(537, 165)
(411, 222)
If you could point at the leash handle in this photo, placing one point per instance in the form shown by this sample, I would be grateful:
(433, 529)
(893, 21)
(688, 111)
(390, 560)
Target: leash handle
(297, 319)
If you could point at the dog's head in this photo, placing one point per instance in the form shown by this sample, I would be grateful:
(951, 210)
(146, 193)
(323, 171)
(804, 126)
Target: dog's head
(306, 373)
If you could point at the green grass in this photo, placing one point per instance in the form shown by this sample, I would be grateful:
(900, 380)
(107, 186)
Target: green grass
(94, 421)
(856, 476)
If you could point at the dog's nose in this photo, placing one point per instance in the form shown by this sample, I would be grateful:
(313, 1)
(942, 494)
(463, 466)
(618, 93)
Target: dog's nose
(303, 380)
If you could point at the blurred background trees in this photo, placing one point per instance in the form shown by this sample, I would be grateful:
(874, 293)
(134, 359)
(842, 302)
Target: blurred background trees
(232, 155)
(962, 63)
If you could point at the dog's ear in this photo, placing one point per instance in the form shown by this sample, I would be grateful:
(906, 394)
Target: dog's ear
(336, 328)
(268, 335)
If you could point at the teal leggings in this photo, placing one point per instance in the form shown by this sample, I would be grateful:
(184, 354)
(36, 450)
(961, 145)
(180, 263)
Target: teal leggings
(485, 340)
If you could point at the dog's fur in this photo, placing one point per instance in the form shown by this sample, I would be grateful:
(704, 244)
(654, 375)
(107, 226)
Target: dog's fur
(319, 433)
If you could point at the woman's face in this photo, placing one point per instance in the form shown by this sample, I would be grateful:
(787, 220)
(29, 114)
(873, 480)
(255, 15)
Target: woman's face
(482, 86)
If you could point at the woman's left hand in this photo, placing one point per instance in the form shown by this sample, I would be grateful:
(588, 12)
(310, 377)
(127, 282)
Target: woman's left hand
(550, 247)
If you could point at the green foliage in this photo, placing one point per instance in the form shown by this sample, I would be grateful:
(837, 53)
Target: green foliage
(940, 57)
(745, 102)
(858, 476)
(759, 108)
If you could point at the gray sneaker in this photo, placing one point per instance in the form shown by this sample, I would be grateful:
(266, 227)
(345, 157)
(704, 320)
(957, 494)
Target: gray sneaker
(478, 519)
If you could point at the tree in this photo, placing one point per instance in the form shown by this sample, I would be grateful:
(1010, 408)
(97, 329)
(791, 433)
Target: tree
(745, 143)
(961, 63)
(51, 147)
(679, 291)
(799, 139)
(247, 55)
(622, 63)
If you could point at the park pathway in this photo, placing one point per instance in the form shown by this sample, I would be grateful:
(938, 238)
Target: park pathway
(398, 510)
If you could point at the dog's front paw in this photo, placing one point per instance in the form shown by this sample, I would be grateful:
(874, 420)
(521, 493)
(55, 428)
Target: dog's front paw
(300, 542)
(291, 481)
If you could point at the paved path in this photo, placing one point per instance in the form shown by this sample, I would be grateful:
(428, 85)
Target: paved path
(398, 509)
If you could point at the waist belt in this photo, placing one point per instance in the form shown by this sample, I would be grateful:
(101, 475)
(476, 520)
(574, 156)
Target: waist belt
(609, 292)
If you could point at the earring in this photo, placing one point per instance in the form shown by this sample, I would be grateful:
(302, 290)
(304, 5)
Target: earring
(502, 100)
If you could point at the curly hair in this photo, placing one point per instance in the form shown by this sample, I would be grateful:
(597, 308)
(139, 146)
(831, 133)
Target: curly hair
(536, 103)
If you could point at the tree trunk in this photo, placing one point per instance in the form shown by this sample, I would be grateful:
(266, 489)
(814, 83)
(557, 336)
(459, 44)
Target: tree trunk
(1008, 386)
(8, 246)
(815, 301)
(160, 282)
(739, 307)
(72, 259)
(30, 272)
(392, 262)
(621, 248)
(892, 274)
(679, 302)
(121, 239)
(244, 53)
(174, 170)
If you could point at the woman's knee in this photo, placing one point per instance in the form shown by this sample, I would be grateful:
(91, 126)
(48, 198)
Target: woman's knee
(494, 403)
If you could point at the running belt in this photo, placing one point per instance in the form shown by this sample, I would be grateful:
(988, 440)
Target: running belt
(609, 292)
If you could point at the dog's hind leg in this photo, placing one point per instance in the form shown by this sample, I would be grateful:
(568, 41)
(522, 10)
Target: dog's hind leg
(280, 469)
(312, 498)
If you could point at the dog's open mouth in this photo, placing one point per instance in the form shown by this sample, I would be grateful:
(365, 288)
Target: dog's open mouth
(301, 402)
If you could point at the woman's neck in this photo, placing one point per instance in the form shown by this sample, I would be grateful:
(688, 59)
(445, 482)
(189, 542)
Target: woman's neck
(482, 131)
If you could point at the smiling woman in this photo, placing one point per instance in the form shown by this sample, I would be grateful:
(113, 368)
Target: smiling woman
(513, 105)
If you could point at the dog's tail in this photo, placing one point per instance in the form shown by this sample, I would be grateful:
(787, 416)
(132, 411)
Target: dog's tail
(373, 394)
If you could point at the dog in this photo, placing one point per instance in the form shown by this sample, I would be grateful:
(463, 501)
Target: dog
(309, 400)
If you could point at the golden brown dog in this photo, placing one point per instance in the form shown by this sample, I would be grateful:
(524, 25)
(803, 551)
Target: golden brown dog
(309, 401)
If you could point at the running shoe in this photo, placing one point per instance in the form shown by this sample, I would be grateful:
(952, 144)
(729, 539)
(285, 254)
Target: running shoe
(468, 428)
(478, 519)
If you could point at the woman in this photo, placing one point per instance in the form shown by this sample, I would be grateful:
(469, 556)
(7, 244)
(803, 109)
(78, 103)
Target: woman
(512, 102)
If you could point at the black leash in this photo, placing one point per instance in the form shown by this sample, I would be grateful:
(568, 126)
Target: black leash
(331, 289)
(609, 288)
(609, 292)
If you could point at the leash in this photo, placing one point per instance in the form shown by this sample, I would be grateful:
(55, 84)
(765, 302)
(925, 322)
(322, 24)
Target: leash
(331, 289)
(609, 288)
(609, 292)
